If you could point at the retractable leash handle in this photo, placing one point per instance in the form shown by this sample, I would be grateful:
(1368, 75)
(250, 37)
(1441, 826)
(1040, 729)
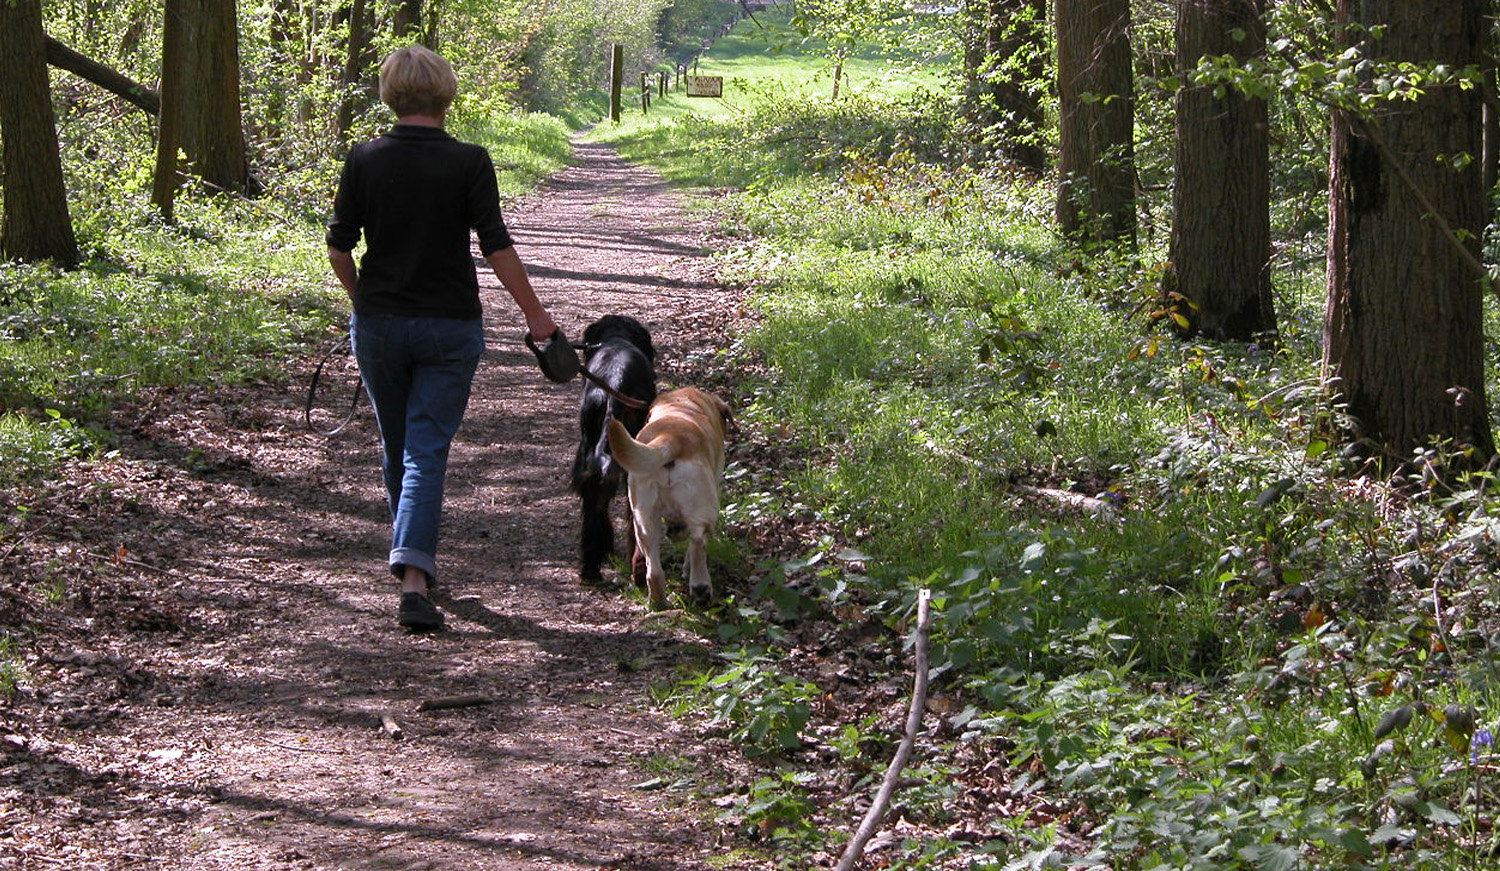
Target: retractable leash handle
(557, 359)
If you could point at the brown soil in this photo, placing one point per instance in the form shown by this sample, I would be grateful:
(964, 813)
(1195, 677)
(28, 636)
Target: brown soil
(217, 634)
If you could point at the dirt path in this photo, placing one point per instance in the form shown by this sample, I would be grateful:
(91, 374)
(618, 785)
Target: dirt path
(214, 704)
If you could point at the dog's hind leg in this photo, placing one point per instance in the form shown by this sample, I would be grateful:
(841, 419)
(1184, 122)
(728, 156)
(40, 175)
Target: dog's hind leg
(700, 586)
(649, 535)
(597, 537)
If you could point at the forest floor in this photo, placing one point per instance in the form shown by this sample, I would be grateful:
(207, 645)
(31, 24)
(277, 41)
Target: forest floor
(215, 634)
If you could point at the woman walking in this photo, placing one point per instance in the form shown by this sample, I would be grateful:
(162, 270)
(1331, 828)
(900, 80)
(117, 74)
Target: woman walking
(416, 193)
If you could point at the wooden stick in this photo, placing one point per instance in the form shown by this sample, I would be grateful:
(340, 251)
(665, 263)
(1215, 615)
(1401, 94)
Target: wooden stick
(856, 847)
(391, 727)
(303, 749)
(25, 538)
(444, 702)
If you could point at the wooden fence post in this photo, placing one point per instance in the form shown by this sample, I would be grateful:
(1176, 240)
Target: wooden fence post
(661, 83)
(616, 77)
(645, 92)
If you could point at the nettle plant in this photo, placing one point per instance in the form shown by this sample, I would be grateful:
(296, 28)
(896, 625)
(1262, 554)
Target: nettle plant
(756, 705)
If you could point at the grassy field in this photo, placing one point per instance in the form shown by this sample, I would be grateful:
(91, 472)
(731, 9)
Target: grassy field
(768, 60)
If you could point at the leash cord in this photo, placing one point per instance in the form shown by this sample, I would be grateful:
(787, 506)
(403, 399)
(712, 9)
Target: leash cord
(628, 401)
(339, 347)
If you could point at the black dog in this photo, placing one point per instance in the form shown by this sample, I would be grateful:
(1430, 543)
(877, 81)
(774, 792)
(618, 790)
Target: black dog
(617, 351)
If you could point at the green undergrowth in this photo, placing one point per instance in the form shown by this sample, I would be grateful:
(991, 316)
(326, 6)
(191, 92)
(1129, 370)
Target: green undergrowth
(1188, 631)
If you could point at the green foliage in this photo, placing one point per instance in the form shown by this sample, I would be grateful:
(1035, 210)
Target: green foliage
(776, 810)
(782, 136)
(687, 24)
(12, 665)
(1247, 662)
(844, 26)
(32, 445)
(525, 148)
(755, 704)
(227, 293)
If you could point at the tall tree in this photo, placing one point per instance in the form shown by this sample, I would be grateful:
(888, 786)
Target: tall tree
(354, 90)
(406, 20)
(1096, 111)
(37, 225)
(1403, 341)
(1221, 226)
(1004, 63)
(200, 98)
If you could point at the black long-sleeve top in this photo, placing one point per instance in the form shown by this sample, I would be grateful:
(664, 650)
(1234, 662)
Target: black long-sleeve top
(416, 192)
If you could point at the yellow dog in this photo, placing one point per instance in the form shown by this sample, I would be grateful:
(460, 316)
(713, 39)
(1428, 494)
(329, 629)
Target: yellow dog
(675, 464)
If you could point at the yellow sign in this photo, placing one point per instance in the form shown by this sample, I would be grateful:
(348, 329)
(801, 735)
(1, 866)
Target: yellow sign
(705, 86)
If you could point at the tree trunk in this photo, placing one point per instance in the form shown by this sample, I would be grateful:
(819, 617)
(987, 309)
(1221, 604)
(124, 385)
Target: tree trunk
(1403, 336)
(1096, 109)
(1003, 66)
(407, 22)
(201, 97)
(169, 131)
(36, 223)
(1221, 227)
(354, 90)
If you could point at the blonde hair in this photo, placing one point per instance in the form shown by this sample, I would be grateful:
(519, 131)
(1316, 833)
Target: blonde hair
(417, 81)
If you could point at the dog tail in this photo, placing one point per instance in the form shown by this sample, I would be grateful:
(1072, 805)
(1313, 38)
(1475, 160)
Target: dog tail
(637, 456)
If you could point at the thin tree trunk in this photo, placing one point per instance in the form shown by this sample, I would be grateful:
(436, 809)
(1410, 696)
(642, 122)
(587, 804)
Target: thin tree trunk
(169, 132)
(1403, 335)
(36, 223)
(353, 84)
(1096, 108)
(1221, 227)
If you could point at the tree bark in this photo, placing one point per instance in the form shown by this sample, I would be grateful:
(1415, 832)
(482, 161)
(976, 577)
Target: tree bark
(201, 98)
(354, 91)
(1221, 227)
(1003, 64)
(407, 21)
(135, 93)
(1096, 108)
(1403, 333)
(36, 224)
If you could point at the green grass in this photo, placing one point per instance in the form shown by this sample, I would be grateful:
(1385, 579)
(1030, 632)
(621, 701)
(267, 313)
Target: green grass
(525, 148)
(774, 64)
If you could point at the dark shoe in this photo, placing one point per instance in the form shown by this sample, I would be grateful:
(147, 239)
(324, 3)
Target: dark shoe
(418, 612)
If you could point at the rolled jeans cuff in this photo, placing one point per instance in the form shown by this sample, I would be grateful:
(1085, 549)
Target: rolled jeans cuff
(402, 557)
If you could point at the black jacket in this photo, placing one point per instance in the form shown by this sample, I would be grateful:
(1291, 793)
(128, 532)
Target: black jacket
(416, 192)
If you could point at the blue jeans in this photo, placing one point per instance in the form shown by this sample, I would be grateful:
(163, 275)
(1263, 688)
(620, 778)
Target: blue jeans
(417, 372)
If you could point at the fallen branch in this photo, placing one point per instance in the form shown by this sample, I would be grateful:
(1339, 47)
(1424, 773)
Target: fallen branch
(25, 538)
(65, 58)
(303, 749)
(1095, 506)
(873, 816)
(445, 702)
